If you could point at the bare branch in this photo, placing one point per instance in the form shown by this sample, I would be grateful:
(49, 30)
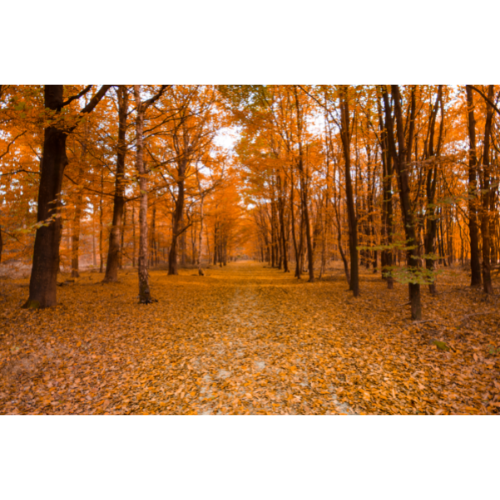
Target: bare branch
(21, 170)
(10, 144)
(77, 96)
(96, 99)
(153, 99)
(485, 98)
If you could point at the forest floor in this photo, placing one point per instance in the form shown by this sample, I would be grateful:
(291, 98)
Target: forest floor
(246, 339)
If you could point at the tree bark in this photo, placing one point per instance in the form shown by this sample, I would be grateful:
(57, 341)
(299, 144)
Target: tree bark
(303, 185)
(134, 241)
(144, 291)
(114, 249)
(431, 182)
(75, 236)
(43, 281)
(351, 215)
(294, 237)
(101, 223)
(387, 208)
(402, 158)
(281, 200)
(200, 234)
(177, 220)
(473, 195)
(487, 194)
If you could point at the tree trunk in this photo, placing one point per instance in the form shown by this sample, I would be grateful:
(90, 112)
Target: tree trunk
(122, 243)
(134, 242)
(284, 250)
(387, 209)
(75, 236)
(144, 292)
(406, 208)
(307, 222)
(303, 185)
(351, 215)
(294, 237)
(200, 234)
(401, 159)
(101, 223)
(43, 281)
(473, 195)
(114, 250)
(177, 221)
(94, 255)
(152, 244)
(486, 190)
(431, 182)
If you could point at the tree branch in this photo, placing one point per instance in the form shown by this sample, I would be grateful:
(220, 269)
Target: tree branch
(153, 99)
(10, 144)
(320, 104)
(96, 99)
(485, 98)
(19, 171)
(74, 97)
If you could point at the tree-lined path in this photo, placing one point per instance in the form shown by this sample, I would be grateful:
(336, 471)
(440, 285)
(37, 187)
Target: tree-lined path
(247, 339)
(299, 249)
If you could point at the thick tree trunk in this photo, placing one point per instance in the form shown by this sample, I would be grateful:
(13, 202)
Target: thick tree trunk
(401, 160)
(351, 215)
(406, 208)
(114, 250)
(43, 282)
(475, 263)
(144, 292)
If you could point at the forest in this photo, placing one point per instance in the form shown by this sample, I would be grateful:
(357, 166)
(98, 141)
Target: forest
(249, 249)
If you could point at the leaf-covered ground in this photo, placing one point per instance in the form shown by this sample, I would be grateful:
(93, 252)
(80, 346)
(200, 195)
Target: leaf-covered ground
(249, 340)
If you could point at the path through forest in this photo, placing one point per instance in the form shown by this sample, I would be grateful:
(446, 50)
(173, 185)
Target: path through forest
(247, 339)
(249, 348)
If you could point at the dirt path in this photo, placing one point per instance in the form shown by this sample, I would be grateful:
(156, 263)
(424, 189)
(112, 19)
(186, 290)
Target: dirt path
(252, 372)
(245, 339)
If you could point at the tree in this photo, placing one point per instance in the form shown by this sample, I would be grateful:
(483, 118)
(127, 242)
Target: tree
(345, 132)
(486, 197)
(116, 233)
(473, 194)
(141, 107)
(43, 282)
(401, 154)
